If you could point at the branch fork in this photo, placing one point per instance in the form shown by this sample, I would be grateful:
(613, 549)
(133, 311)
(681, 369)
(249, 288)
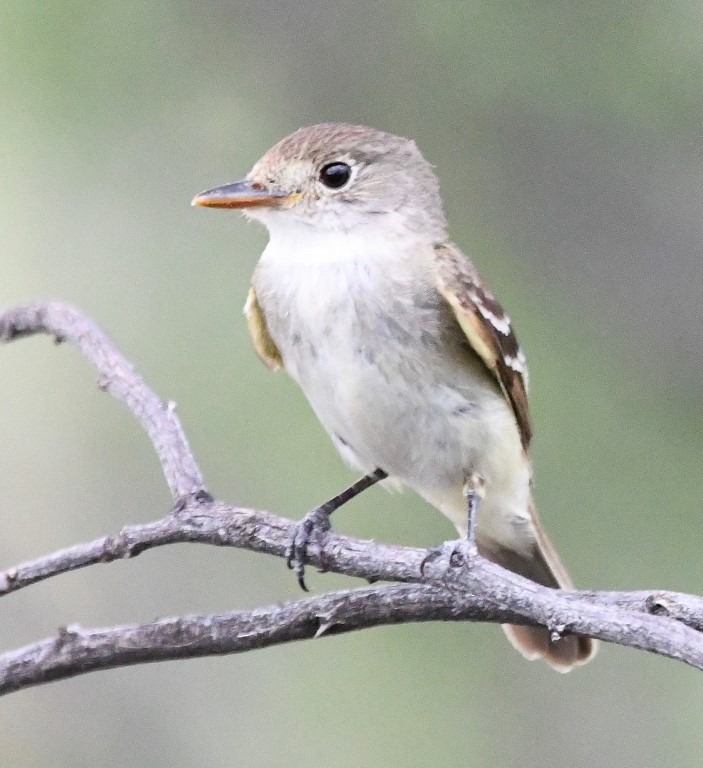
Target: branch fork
(415, 588)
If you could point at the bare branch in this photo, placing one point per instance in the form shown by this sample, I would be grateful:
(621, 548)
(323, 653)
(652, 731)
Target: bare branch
(666, 623)
(116, 376)
(76, 651)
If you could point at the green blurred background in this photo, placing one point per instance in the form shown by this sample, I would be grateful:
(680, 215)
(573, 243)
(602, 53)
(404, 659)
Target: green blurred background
(568, 140)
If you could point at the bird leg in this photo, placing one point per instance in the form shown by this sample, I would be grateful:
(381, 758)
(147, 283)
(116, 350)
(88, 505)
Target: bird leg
(474, 491)
(462, 550)
(317, 522)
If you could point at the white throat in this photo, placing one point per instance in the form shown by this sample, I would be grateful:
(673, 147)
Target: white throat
(339, 235)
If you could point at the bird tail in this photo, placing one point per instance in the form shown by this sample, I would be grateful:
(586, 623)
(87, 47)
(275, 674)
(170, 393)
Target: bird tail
(543, 566)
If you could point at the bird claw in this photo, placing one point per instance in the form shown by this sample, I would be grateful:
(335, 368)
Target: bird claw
(461, 551)
(458, 552)
(312, 527)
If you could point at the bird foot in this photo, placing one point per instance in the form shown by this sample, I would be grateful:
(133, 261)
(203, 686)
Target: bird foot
(317, 523)
(312, 527)
(459, 552)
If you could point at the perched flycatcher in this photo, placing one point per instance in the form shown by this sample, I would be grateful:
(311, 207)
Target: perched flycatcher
(408, 361)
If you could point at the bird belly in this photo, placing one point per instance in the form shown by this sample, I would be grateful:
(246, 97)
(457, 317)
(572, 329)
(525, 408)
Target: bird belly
(392, 382)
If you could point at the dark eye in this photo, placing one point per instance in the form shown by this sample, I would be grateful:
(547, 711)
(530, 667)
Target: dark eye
(335, 175)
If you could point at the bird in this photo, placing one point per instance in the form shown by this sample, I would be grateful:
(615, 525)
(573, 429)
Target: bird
(406, 358)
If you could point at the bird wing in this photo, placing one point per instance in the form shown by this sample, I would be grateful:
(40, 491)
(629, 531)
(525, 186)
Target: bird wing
(264, 346)
(487, 329)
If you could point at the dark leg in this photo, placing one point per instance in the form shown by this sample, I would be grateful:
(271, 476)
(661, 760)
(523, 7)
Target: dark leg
(317, 522)
(462, 550)
(474, 491)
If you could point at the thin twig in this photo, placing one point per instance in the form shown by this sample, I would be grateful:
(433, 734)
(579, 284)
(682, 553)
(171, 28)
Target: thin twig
(117, 376)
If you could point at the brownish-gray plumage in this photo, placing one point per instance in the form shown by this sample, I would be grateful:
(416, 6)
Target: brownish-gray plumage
(488, 329)
(407, 359)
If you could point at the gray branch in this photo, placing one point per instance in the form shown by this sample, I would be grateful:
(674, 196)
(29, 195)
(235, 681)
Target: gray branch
(667, 623)
(116, 375)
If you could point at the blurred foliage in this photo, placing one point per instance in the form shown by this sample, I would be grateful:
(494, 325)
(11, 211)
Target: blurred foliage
(567, 138)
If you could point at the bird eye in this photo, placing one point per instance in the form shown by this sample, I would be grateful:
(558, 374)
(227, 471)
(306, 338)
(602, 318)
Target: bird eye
(335, 175)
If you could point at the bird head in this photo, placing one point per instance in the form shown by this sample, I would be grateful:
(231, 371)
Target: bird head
(339, 178)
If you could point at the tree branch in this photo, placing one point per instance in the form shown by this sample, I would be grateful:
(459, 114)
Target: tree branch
(666, 623)
(116, 375)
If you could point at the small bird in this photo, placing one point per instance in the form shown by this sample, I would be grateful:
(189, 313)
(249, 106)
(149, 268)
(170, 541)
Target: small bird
(408, 361)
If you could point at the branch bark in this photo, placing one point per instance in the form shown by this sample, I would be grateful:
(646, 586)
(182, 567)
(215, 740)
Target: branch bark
(667, 623)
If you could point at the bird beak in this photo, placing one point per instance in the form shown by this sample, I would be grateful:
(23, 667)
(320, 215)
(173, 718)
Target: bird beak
(242, 194)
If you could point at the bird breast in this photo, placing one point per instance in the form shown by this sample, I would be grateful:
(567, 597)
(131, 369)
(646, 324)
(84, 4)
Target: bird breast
(381, 360)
